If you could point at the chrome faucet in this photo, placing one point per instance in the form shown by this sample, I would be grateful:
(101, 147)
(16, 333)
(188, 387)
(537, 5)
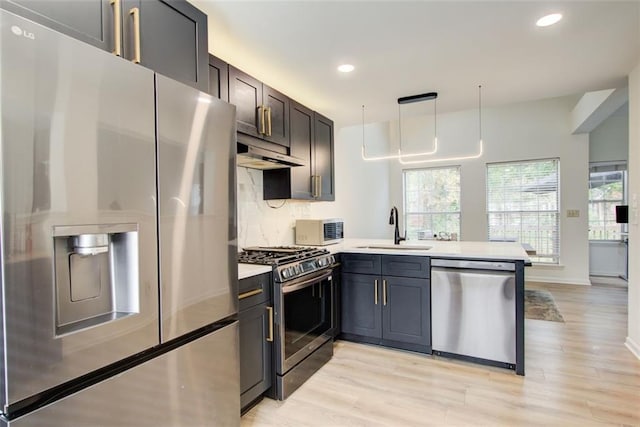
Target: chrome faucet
(396, 235)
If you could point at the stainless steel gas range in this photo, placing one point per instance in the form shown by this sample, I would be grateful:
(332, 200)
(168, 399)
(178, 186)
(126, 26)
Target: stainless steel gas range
(303, 293)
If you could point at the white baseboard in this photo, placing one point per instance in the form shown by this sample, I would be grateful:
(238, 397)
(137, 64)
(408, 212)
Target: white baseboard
(633, 347)
(605, 273)
(556, 280)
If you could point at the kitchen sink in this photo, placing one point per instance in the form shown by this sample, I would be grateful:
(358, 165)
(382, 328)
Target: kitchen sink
(397, 247)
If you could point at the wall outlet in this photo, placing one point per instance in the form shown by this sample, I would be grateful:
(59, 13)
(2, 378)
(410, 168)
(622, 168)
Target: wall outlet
(573, 213)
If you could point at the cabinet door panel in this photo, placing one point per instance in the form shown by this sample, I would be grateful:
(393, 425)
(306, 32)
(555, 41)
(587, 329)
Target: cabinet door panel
(278, 105)
(323, 156)
(218, 78)
(406, 266)
(361, 263)
(90, 20)
(301, 126)
(173, 40)
(360, 313)
(406, 314)
(245, 93)
(255, 353)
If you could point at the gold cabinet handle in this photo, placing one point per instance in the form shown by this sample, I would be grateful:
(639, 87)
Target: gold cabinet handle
(117, 27)
(270, 311)
(375, 291)
(316, 181)
(268, 114)
(261, 119)
(250, 293)
(135, 13)
(384, 292)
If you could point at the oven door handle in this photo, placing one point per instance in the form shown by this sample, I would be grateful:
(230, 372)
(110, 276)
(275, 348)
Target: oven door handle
(306, 283)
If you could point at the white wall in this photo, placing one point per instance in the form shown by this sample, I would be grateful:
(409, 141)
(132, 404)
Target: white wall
(610, 140)
(633, 340)
(532, 130)
(362, 187)
(258, 223)
(362, 195)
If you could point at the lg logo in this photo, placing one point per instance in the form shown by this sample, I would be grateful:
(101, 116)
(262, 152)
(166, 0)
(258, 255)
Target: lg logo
(20, 32)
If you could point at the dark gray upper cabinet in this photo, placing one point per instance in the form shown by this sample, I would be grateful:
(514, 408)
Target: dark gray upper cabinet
(311, 136)
(262, 111)
(301, 125)
(323, 158)
(172, 34)
(218, 78)
(173, 39)
(91, 21)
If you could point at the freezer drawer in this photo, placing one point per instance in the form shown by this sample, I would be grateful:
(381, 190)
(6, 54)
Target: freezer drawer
(474, 313)
(194, 385)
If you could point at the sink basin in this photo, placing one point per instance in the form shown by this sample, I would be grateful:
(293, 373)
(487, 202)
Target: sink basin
(397, 247)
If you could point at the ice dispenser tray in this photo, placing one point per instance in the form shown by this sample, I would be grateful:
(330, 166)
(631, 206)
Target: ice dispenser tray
(96, 271)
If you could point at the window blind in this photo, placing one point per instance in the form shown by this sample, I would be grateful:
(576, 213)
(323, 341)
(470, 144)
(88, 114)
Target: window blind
(431, 201)
(523, 205)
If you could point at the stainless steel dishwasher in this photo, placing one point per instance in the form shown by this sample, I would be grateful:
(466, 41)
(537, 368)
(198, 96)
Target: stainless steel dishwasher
(473, 310)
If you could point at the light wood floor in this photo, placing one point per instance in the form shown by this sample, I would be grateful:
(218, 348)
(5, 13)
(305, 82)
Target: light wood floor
(577, 373)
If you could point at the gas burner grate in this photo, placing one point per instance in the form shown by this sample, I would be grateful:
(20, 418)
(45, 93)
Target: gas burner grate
(278, 255)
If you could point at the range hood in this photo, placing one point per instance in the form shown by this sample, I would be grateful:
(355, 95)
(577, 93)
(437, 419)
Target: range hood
(254, 157)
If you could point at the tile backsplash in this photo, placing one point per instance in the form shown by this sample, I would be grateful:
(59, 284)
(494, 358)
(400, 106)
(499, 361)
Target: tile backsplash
(262, 222)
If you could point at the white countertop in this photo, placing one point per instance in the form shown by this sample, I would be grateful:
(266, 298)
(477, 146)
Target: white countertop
(436, 248)
(433, 248)
(248, 270)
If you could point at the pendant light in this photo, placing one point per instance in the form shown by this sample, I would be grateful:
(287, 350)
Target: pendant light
(405, 100)
(472, 156)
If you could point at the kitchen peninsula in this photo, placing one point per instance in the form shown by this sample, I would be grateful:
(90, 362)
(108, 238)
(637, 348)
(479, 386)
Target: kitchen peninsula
(453, 299)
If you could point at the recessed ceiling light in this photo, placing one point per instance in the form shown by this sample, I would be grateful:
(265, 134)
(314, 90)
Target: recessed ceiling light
(547, 20)
(346, 68)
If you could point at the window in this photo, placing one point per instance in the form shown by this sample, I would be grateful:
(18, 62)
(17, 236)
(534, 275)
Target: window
(606, 191)
(522, 205)
(432, 201)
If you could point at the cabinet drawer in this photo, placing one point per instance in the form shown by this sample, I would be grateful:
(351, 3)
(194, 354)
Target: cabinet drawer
(361, 263)
(254, 290)
(405, 266)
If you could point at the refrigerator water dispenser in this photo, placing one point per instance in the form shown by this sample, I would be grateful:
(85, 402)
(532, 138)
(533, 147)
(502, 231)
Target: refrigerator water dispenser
(96, 275)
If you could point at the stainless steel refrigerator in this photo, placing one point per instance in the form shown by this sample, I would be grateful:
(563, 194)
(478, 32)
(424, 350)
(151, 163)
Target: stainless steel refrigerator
(118, 240)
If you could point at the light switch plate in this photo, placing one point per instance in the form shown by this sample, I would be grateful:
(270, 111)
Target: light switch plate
(573, 213)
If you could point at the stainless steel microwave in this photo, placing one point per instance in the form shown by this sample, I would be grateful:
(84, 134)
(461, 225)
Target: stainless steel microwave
(319, 231)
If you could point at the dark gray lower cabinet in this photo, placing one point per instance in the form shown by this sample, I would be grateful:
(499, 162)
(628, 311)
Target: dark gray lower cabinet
(406, 310)
(256, 346)
(361, 308)
(384, 309)
(255, 354)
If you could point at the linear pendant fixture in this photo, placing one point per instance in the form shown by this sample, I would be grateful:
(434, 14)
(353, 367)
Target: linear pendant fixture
(456, 158)
(405, 100)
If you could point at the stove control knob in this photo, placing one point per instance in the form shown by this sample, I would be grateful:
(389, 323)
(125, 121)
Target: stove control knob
(322, 262)
(284, 273)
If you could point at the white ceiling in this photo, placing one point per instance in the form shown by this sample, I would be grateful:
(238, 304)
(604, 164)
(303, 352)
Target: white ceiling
(403, 48)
